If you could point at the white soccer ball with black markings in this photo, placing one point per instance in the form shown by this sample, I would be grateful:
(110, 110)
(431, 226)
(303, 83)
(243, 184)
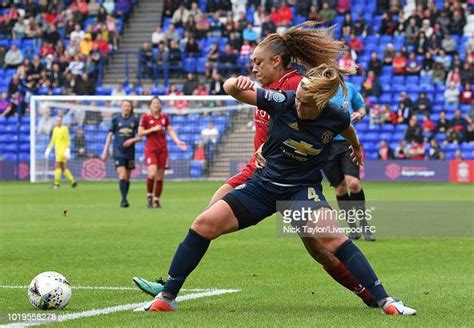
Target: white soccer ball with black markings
(49, 290)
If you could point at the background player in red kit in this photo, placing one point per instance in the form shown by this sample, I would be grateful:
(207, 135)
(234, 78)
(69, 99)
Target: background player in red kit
(154, 126)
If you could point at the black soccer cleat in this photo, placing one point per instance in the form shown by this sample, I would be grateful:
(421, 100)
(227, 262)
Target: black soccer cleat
(149, 202)
(74, 184)
(124, 203)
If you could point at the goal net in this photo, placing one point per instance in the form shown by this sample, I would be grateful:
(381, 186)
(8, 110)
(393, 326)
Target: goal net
(218, 131)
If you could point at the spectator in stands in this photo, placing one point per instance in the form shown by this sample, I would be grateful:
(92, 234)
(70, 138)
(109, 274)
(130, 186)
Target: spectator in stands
(427, 127)
(346, 61)
(347, 25)
(413, 66)
(388, 116)
(384, 153)
(79, 144)
(343, 6)
(376, 115)
(117, 91)
(212, 59)
(180, 16)
(458, 122)
(201, 90)
(453, 136)
(469, 134)
(78, 34)
(411, 31)
(451, 96)
(413, 131)
(388, 25)
(426, 27)
(327, 13)
(195, 9)
(249, 34)
(448, 44)
(86, 44)
(202, 25)
(209, 137)
(84, 85)
(268, 27)
(234, 41)
(190, 85)
(285, 14)
(178, 106)
(229, 56)
(3, 51)
(313, 15)
(423, 104)
(259, 16)
(439, 74)
(434, 45)
(5, 104)
(13, 57)
(371, 85)
(355, 45)
(399, 64)
(405, 110)
(172, 34)
(228, 26)
(421, 44)
(175, 57)
(17, 105)
(443, 124)
(444, 59)
(361, 26)
(19, 29)
(217, 84)
(145, 60)
(458, 155)
(389, 54)
(45, 124)
(457, 23)
(427, 65)
(401, 152)
(375, 64)
(466, 96)
(76, 66)
(434, 152)
(192, 48)
(416, 151)
(454, 77)
(158, 36)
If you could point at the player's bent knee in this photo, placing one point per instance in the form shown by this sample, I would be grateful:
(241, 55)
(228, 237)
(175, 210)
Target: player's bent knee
(333, 243)
(341, 189)
(206, 227)
(354, 184)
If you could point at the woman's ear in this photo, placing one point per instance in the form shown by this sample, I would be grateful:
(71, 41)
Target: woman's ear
(276, 61)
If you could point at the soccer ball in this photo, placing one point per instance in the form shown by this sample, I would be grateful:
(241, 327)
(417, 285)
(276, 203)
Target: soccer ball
(49, 290)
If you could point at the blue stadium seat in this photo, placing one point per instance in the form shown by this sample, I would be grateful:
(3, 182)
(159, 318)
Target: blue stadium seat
(189, 65)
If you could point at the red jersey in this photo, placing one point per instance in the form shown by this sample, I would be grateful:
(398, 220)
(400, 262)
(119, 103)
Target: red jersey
(288, 81)
(155, 140)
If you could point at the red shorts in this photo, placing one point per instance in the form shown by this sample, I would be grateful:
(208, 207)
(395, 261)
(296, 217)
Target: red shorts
(241, 177)
(156, 157)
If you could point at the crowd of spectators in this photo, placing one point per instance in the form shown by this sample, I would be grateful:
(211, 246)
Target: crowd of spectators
(56, 47)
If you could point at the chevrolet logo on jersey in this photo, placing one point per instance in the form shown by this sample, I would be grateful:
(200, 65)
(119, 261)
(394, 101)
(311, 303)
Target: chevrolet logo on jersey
(294, 125)
(302, 148)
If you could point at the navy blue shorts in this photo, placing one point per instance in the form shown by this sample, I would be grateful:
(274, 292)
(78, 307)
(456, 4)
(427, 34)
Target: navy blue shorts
(129, 164)
(257, 200)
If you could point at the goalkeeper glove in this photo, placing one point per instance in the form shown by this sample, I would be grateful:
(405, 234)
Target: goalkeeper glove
(67, 153)
(46, 153)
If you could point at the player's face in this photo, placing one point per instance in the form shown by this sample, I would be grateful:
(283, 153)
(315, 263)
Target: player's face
(304, 105)
(155, 106)
(126, 108)
(59, 121)
(264, 66)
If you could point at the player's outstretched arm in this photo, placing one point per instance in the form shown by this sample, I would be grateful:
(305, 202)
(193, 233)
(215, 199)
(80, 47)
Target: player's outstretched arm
(357, 154)
(242, 88)
(175, 138)
(107, 145)
(143, 132)
(131, 141)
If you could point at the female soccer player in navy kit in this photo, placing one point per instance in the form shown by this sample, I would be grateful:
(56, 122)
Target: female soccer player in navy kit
(301, 128)
(124, 128)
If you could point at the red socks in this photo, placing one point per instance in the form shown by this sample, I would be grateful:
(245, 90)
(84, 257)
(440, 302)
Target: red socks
(346, 279)
(158, 188)
(149, 185)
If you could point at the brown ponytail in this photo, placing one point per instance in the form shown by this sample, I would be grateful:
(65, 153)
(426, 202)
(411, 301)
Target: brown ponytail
(306, 44)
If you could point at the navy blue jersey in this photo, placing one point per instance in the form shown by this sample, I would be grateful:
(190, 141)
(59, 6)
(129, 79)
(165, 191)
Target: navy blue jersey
(124, 129)
(296, 150)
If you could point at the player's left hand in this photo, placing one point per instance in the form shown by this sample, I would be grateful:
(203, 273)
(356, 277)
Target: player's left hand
(357, 155)
(245, 83)
(182, 145)
(356, 117)
(67, 153)
(128, 143)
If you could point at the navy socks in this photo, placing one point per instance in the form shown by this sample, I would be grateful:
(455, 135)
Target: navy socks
(187, 257)
(349, 254)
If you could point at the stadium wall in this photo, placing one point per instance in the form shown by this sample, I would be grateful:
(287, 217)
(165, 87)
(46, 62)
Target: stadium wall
(377, 171)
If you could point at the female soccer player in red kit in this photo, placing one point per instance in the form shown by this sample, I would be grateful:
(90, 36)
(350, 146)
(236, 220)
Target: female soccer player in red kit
(154, 126)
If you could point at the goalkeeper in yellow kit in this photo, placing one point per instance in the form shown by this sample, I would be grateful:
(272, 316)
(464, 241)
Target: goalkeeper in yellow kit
(60, 141)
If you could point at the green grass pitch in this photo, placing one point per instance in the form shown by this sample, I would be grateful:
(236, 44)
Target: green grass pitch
(100, 244)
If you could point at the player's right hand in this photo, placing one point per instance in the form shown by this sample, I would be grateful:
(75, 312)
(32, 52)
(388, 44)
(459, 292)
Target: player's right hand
(244, 83)
(260, 161)
(357, 155)
(156, 128)
(104, 156)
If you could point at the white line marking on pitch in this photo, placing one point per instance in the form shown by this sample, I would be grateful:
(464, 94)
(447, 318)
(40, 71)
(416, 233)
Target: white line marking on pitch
(103, 288)
(119, 308)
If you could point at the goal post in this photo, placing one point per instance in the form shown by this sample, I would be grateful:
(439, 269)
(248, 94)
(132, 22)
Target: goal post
(218, 131)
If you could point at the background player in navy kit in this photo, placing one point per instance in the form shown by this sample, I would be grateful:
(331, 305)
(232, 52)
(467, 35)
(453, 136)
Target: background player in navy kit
(124, 128)
(341, 171)
(301, 129)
